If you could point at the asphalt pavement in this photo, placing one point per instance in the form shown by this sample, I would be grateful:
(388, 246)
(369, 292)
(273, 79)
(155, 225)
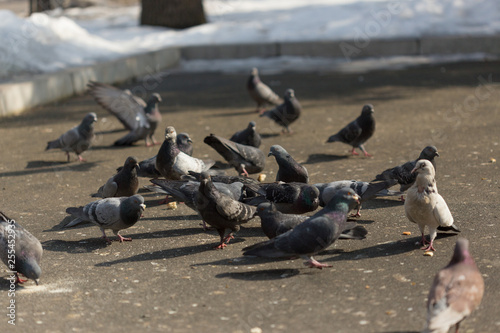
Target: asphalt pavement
(170, 279)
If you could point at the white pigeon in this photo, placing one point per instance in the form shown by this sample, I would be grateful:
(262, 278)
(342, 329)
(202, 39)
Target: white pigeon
(425, 206)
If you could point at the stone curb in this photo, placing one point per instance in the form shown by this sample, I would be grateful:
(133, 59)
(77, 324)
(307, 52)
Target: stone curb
(18, 96)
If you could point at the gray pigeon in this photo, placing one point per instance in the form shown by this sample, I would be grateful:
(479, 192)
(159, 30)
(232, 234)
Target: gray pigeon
(123, 184)
(248, 136)
(173, 163)
(402, 173)
(457, 290)
(226, 179)
(221, 211)
(275, 223)
(78, 139)
(366, 191)
(185, 143)
(260, 92)
(286, 113)
(289, 198)
(357, 132)
(27, 254)
(245, 159)
(425, 206)
(139, 117)
(311, 236)
(110, 213)
(289, 170)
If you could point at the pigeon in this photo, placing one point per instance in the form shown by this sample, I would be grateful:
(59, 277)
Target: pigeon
(139, 117)
(275, 223)
(245, 159)
(311, 236)
(226, 179)
(260, 92)
(173, 163)
(425, 206)
(221, 211)
(248, 136)
(289, 170)
(286, 113)
(185, 143)
(402, 173)
(123, 184)
(357, 132)
(110, 213)
(290, 198)
(366, 191)
(78, 139)
(20, 251)
(457, 290)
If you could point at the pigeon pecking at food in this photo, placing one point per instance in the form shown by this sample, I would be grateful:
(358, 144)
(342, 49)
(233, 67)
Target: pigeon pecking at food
(425, 206)
(357, 132)
(289, 170)
(78, 139)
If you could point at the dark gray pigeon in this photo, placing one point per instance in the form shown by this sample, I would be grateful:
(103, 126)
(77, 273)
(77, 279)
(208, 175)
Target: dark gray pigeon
(221, 211)
(248, 136)
(173, 163)
(456, 291)
(110, 213)
(78, 139)
(245, 159)
(286, 113)
(260, 92)
(185, 143)
(402, 173)
(366, 191)
(289, 170)
(27, 254)
(139, 117)
(357, 132)
(289, 198)
(123, 184)
(311, 236)
(225, 179)
(275, 223)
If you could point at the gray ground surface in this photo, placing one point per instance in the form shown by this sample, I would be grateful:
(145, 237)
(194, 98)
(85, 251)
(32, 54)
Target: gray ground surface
(170, 279)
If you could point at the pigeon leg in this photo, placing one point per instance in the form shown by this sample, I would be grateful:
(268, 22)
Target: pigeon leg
(228, 238)
(105, 237)
(364, 151)
(244, 172)
(19, 280)
(67, 155)
(354, 152)
(357, 214)
(81, 159)
(429, 248)
(205, 227)
(313, 263)
(402, 198)
(432, 236)
(122, 239)
(164, 201)
(221, 246)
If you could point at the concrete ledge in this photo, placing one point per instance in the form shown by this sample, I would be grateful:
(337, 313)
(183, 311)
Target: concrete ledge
(459, 45)
(230, 51)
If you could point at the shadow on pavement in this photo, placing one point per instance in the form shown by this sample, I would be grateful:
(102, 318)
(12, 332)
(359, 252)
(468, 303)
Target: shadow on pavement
(260, 275)
(317, 158)
(50, 167)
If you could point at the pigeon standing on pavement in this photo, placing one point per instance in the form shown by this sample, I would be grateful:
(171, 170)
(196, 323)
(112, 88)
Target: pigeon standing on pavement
(245, 159)
(221, 211)
(139, 117)
(275, 223)
(110, 213)
(289, 170)
(173, 163)
(260, 92)
(357, 132)
(457, 290)
(123, 184)
(286, 113)
(27, 254)
(425, 206)
(402, 173)
(248, 136)
(78, 139)
(311, 236)
(366, 191)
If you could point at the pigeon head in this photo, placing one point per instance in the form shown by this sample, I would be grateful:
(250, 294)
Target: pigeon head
(184, 138)
(367, 109)
(254, 71)
(345, 195)
(131, 162)
(461, 253)
(252, 125)
(289, 93)
(424, 167)
(429, 153)
(131, 209)
(265, 207)
(155, 98)
(205, 177)
(170, 133)
(89, 118)
(29, 267)
(309, 197)
(277, 150)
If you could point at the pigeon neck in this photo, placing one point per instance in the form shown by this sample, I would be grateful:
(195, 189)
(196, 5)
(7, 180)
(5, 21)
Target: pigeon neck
(86, 128)
(150, 106)
(129, 214)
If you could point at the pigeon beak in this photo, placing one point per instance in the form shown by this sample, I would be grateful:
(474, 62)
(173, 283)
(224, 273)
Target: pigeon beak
(143, 206)
(189, 140)
(437, 154)
(414, 170)
(270, 153)
(137, 166)
(356, 197)
(36, 281)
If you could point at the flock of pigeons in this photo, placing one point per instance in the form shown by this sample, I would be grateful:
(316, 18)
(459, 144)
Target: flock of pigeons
(225, 202)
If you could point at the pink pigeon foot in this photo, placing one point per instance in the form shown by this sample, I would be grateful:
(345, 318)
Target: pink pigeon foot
(122, 239)
(354, 152)
(313, 263)
(228, 238)
(19, 280)
(81, 159)
(221, 246)
(165, 201)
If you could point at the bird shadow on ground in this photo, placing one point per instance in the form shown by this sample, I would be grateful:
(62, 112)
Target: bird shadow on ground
(162, 254)
(382, 250)
(402, 332)
(50, 167)
(260, 275)
(231, 114)
(359, 221)
(269, 135)
(317, 158)
(5, 285)
(117, 130)
(381, 203)
(193, 217)
(113, 147)
(81, 246)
